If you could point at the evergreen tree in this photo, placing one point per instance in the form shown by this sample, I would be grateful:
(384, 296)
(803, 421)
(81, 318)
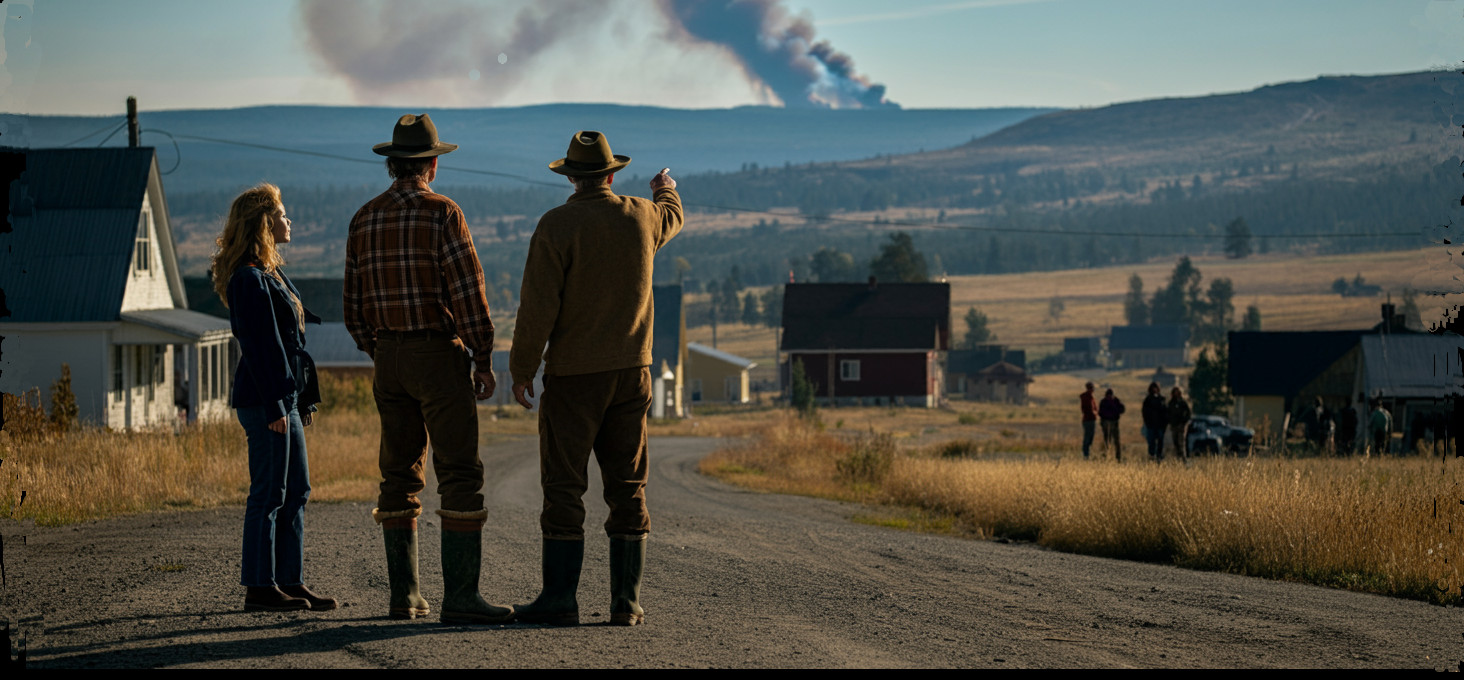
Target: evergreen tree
(800, 391)
(1219, 310)
(750, 312)
(1179, 301)
(899, 261)
(1252, 319)
(1237, 239)
(1208, 386)
(977, 332)
(1135, 309)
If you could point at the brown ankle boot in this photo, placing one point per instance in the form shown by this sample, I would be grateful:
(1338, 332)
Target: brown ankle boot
(270, 599)
(317, 603)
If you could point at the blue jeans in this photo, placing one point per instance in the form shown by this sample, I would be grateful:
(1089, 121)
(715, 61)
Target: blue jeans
(1088, 427)
(274, 515)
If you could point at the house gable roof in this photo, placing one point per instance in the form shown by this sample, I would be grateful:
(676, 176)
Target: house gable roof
(1280, 364)
(1413, 365)
(821, 316)
(74, 216)
(971, 361)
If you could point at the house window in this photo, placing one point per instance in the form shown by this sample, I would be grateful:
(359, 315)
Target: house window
(142, 250)
(696, 389)
(159, 372)
(119, 373)
(849, 370)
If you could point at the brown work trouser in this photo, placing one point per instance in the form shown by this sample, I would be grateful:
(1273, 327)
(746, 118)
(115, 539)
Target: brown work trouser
(605, 412)
(424, 389)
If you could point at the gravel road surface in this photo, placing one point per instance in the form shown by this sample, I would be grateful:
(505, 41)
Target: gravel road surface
(733, 579)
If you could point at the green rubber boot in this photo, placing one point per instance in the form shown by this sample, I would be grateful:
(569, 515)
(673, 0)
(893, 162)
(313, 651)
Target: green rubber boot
(401, 569)
(627, 562)
(557, 604)
(462, 558)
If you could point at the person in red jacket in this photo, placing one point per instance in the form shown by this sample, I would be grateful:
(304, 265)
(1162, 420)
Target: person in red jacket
(1090, 417)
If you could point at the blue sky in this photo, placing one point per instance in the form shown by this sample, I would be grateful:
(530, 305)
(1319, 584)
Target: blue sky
(86, 56)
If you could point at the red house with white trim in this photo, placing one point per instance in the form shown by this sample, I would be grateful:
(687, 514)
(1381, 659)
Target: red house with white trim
(869, 344)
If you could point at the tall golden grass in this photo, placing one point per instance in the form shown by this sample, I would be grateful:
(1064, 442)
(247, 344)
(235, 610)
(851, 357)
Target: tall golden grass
(91, 472)
(1393, 526)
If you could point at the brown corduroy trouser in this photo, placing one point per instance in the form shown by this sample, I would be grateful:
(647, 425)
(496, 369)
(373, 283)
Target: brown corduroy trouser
(605, 412)
(424, 390)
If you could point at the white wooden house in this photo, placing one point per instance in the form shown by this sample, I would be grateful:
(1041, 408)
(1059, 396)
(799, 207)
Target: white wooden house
(90, 279)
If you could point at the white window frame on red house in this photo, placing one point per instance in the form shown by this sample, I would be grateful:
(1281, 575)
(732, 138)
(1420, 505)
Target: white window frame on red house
(849, 370)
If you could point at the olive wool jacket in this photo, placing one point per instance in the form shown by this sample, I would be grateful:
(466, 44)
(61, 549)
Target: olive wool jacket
(587, 284)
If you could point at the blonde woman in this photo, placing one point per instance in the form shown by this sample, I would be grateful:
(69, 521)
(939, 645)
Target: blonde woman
(274, 394)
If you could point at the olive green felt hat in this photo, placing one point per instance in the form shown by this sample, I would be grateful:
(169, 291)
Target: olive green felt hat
(414, 137)
(589, 156)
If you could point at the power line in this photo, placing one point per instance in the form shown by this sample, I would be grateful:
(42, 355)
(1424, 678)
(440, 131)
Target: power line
(841, 220)
(108, 126)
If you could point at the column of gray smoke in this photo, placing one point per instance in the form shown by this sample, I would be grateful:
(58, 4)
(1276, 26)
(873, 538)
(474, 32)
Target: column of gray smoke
(776, 49)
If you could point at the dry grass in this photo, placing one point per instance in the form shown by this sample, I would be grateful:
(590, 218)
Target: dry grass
(96, 473)
(1377, 525)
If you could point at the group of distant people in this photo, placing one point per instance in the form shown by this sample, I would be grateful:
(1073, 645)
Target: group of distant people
(1345, 432)
(1159, 416)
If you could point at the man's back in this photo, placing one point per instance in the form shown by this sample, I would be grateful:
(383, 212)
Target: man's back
(410, 265)
(587, 282)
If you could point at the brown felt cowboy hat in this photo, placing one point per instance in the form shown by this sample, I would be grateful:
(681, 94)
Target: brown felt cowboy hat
(414, 137)
(589, 156)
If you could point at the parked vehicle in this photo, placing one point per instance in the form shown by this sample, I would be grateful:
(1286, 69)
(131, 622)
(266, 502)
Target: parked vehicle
(1213, 434)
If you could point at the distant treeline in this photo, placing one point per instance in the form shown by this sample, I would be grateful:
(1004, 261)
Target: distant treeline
(1011, 237)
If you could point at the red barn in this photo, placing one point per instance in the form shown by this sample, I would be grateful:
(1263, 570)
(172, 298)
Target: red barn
(875, 343)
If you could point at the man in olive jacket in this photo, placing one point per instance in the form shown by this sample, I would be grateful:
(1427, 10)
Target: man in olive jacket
(587, 292)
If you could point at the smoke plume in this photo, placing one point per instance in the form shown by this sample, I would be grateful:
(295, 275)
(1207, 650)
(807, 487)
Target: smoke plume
(778, 50)
(388, 51)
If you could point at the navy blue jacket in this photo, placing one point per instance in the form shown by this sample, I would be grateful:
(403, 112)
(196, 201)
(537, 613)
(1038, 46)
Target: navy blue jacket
(274, 364)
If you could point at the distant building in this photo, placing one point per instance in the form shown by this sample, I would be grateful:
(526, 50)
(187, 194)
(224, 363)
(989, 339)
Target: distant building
(1149, 346)
(717, 376)
(1274, 375)
(91, 280)
(1082, 352)
(1000, 382)
(875, 343)
(963, 366)
(668, 353)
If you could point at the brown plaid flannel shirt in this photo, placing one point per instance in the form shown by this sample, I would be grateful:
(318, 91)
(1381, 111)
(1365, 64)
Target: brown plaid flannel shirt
(410, 265)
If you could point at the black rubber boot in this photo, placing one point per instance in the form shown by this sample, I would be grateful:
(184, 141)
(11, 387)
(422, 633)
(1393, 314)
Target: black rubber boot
(462, 559)
(627, 562)
(557, 604)
(401, 570)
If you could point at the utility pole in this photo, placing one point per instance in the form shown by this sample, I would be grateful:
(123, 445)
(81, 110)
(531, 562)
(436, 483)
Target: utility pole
(133, 132)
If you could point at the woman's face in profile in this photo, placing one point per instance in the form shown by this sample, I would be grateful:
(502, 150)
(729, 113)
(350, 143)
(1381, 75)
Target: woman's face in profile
(280, 225)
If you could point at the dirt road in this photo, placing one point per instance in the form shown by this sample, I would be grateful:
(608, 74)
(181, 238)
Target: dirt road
(733, 579)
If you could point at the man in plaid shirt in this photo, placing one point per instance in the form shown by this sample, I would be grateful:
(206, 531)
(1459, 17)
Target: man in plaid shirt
(414, 301)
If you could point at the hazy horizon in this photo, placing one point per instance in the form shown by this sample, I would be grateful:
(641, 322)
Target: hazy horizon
(85, 57)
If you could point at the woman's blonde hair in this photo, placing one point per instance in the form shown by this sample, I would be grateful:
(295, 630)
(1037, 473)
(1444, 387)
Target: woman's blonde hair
(249, 238)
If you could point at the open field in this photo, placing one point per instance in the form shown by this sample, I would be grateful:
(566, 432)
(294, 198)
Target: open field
(1382, 525)
(1294, 294)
